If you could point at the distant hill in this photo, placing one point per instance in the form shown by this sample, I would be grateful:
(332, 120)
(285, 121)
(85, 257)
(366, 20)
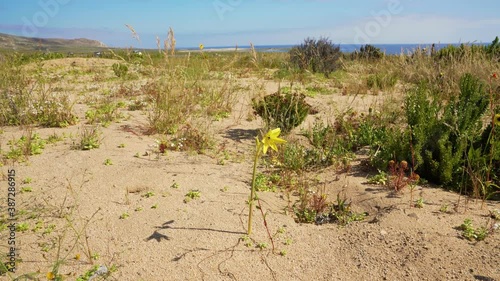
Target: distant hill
(20, 43)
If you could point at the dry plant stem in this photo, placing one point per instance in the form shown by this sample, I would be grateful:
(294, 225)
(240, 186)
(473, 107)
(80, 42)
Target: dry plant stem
(80, 233)
(411, 196)
(265, 224)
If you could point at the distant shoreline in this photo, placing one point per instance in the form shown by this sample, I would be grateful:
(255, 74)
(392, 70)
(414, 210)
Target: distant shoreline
(389, 49)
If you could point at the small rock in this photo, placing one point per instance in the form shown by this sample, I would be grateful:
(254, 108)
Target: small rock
(413, 215)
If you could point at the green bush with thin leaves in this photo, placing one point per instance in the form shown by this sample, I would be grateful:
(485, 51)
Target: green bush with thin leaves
(440, 135)
(282, 110)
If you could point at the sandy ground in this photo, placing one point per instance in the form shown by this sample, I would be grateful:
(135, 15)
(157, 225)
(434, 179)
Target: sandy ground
(165, 238)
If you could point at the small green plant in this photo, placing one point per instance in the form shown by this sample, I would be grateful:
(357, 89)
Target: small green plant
(108, 162)
(148, 194)
(138, 209)
(380, 178)
(53, 138)
(88, 274)
(471, 233)
(192, 195)
(340, 213)
(281, 230)
(124, 216)
(120, 69)
(22, 227)
(26, 189)
(27, 181)
(284, 111)
(495, 214)
(38, 226)
(262, 246)
(419, 203)
(49, 229)
(444, 208)
(90, 138)
(121, 145)
(27, 145)
(105, 112)
(247, 241)
(175, 185)
(264, 183)
(155, 206)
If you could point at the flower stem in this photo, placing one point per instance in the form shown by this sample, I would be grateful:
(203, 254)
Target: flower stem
(252, 191)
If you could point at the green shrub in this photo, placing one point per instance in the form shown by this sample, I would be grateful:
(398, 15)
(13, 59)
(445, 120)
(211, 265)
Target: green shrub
(494, 49)
(285, 111)
(488, 145)
(171, 104)
(90, 138)
(440, 134)
(464, 52)
(368, 52)
(104, 112)
(26, 102)
(318, 56)
(469, 51)
(120, 69)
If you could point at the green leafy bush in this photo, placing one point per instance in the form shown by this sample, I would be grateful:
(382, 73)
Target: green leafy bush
(285, 111)
(120, 69)
(318, 56)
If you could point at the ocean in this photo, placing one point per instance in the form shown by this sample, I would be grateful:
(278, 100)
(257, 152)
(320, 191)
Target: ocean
(388, 49)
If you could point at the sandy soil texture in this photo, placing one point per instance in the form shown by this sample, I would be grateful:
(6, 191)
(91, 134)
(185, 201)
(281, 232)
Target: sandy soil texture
(133, 216)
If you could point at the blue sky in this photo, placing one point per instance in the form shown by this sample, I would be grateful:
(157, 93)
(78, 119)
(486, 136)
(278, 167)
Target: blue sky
(262, 22)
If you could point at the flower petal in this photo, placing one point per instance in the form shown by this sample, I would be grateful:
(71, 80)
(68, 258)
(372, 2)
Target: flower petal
(264, 148)
(273, 146)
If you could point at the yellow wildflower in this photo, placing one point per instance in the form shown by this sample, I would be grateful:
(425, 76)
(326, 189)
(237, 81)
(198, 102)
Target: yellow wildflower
(497, 119)
(271, 140)
(201, 47)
